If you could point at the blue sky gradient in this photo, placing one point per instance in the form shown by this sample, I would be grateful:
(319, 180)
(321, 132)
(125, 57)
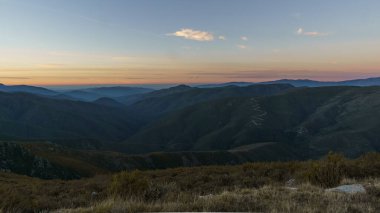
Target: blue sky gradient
(48, 42)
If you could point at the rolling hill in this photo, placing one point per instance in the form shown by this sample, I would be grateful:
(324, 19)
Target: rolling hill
(311, 121)
(129, 100)
(239, 124)
(28, 117)
(27, 89)
(119, 92)
(108, 102)
(159, 102)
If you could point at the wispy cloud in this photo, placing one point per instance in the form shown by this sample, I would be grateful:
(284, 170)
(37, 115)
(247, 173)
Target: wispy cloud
(50, 65)
(302, 32)
(191, 34)
(222, 38)
(16, 78)
(244, 38)
(275, 74)
(240, 46)
(122, 58)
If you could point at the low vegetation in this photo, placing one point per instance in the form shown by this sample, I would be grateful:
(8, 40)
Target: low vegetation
(266, 187)
(329, 172)
(307, 198)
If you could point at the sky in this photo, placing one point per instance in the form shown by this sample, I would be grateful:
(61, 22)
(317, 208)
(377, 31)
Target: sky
(87, 42)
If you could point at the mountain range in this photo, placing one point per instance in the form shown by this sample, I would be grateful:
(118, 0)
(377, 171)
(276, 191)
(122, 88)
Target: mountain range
(304, 83)
(128, 95)
(86, 94)
(309, 121)
(263, 121)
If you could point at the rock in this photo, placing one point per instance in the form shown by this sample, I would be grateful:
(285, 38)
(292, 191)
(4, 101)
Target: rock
(94, 194)
(209, 196)
(291, 188)
(291, 182)
(350, 189)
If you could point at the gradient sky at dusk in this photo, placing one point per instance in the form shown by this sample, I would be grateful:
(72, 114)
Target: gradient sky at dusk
(68, 42)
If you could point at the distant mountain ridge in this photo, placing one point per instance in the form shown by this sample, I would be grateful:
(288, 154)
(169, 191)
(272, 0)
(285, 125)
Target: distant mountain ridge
(304, 83)
(92, 94)
(87, 94)
(128, 100)
(27, 89)
(311, 83)
(130, 95)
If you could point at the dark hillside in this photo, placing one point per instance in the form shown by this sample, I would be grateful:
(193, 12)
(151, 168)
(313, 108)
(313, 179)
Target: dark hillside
(29, 117)
(311, 120)
(163, 101)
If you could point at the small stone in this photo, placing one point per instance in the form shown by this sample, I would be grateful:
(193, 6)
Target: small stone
(291, 188)
(209, 196)
(291, 182)
(350, 189)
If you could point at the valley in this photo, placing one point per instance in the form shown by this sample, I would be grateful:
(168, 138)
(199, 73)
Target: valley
(186, 126)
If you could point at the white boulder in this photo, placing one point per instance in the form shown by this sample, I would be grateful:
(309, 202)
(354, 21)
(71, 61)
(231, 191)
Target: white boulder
(350, 189)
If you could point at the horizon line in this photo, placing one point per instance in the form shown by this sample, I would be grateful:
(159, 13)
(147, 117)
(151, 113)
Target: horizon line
(181, 83)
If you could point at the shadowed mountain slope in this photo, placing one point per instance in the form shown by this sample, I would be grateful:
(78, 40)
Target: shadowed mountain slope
(25, 116)
(163, 101)
(310, 120)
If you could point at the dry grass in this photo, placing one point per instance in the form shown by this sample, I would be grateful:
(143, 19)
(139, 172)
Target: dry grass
(24, 194)
(249, 187)
(307, 198)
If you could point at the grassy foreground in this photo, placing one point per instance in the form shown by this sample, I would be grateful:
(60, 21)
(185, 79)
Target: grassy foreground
(260, 187)
(268, 198)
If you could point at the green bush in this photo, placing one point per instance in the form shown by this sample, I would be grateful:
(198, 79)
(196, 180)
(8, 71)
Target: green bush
(328, 172)
(129, 184)
(368, 165)
(160, 191)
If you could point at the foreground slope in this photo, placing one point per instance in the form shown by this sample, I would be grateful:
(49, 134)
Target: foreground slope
(252, 187)
(48, 160)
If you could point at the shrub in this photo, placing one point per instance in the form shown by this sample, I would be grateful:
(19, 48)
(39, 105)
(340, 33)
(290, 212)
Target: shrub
(159, 191)
(328, 172)
(129, 184)
(368, 165)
